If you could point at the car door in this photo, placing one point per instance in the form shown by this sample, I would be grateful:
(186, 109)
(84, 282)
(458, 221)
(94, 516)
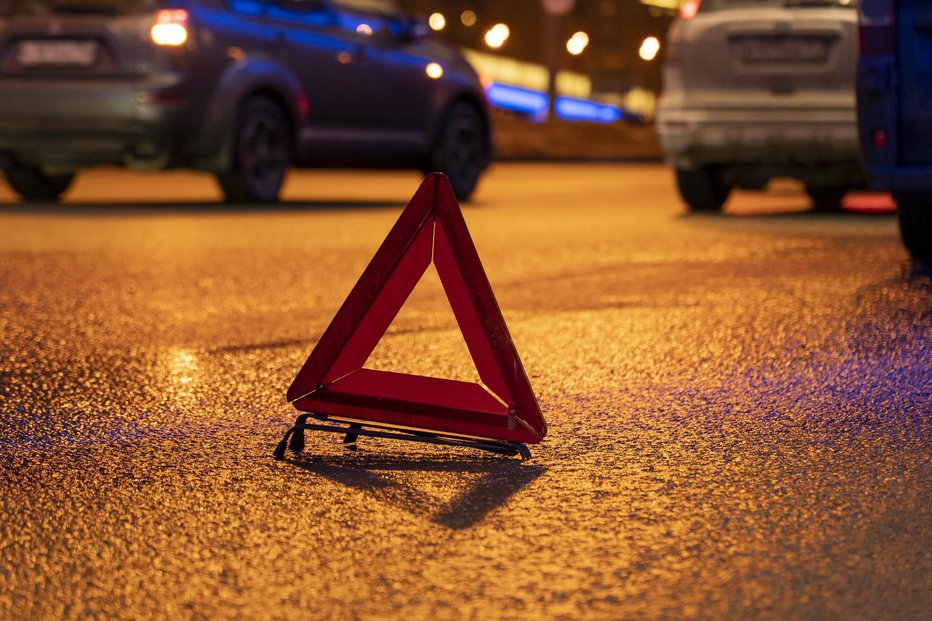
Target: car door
(323, 56)
(391, 99)
(914, 39)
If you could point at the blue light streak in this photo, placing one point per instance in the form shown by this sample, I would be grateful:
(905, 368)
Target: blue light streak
(536, 104)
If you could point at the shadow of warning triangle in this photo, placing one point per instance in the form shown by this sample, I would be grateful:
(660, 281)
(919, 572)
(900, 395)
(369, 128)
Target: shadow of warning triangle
(500, 414)
(414, 485)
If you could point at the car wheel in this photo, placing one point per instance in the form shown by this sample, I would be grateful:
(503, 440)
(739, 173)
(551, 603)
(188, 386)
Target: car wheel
(34, 185)
(702, 189)
(261, 153)
(461, 150)
(826, 199)
(915, 217)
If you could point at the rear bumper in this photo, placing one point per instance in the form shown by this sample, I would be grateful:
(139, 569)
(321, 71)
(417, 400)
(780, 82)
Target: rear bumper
(692, 138)
(70, 124)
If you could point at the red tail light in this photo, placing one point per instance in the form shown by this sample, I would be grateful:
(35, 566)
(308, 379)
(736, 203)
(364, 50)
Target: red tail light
(170, 27)
(689, 9)
(877, 27)
(880, 139)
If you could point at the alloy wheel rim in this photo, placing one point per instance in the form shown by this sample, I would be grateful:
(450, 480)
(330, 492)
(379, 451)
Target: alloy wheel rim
(263, 153)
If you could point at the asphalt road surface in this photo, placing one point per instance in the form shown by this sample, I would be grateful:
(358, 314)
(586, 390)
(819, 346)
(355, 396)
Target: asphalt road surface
(739, 408)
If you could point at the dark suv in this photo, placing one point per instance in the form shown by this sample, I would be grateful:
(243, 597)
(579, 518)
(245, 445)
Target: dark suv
(241, 88)
(894, 90)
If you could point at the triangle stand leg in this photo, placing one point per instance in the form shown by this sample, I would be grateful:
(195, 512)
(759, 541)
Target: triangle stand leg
(350, 437)
(296, 445)
(353, 430)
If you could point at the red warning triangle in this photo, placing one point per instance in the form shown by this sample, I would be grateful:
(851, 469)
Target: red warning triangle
(334, 383)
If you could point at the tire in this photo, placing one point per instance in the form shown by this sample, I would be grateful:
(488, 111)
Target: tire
(702, 189)
(461, 150)
(33, 185)
(915, 216)
(261, 144)
(826, 199)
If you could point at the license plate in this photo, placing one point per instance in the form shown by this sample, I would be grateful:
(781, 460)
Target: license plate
(782, 49)
(57, 53)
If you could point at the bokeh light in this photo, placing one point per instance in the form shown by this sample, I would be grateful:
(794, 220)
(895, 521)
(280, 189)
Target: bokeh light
(437, 21)
(497, 35)
(649, 48)
(577, 43)
(434, 70)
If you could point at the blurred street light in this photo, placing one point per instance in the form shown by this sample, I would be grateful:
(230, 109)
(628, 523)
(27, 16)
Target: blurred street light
(610, 59)
(558, 7)
(649, 48)
(437, 21)
(497, 35)
(577, 43)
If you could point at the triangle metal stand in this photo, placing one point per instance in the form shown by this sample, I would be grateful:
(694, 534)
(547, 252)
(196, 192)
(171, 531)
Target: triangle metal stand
(294, 437)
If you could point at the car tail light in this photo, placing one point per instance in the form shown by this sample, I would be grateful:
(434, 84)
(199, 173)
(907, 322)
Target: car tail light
(877, 27)
(170, 27)
(689, 9)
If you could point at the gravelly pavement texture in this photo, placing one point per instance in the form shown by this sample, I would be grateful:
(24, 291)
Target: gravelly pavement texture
(739, 409)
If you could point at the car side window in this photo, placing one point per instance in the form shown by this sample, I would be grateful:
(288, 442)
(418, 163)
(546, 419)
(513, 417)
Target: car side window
(300, 11)
(303, 11)
(370, 17)
(384, 8)
(246, 7)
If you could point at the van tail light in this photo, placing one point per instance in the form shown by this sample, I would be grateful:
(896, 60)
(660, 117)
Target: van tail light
(877, 27)
(689, 9)
(170, 27)
(880, 139)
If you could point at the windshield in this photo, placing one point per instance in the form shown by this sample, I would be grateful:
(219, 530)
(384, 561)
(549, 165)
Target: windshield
(43, 7)
(717, 5)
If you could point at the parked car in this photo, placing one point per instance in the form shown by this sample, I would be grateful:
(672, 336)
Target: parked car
(759, 89)
(241, 88)
(894, 93)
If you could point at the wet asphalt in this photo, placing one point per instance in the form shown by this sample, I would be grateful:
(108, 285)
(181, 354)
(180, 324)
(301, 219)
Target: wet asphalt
(740, 408)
